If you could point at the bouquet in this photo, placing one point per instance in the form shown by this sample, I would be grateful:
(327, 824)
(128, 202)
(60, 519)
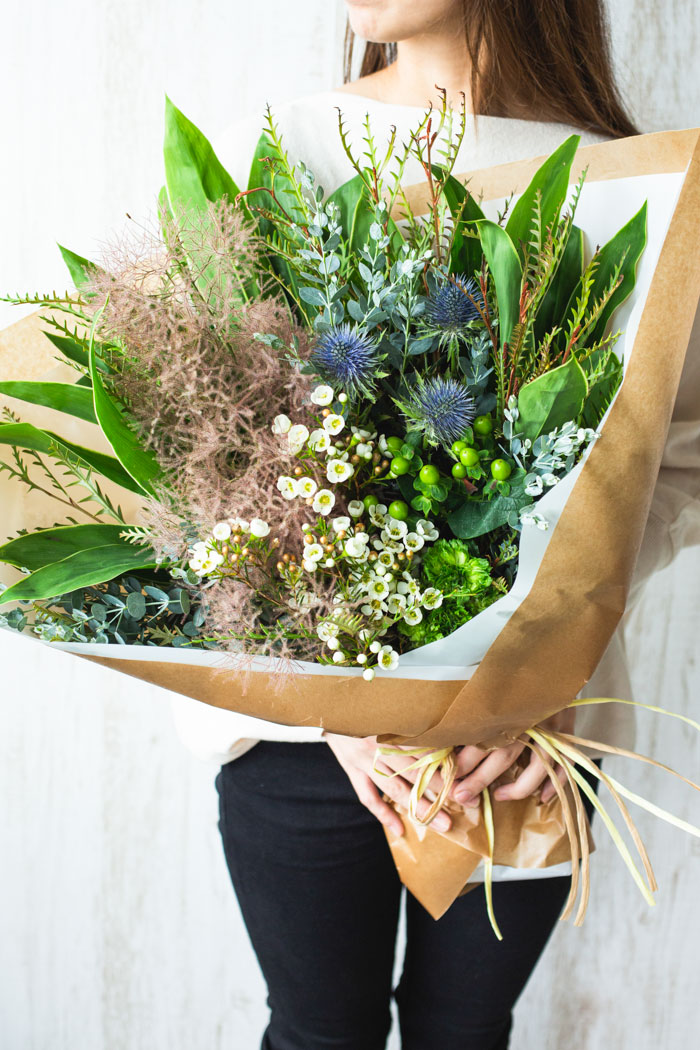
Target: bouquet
(347, 426)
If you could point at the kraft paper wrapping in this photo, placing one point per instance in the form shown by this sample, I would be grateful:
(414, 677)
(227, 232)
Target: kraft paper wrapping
(553, 641)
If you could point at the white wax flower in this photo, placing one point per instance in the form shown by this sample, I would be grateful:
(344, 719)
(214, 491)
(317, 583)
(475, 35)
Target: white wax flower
(221, 531)
(297, 437)
(413, 542)
(333, 423)
(313, 552)
(324, 501)
(338, 658)
(396, 603)
(368, 674)
(426, 529)
(375, 647)
(337, 470)
(322, 394)
(319, 440)
(281, 424)
(307, 487)
(431, 598)
(259, 528)
(309, 564)
(412, 616)
(341, 523)
(395, 529)
(288, 486)
(388, 658)
(354, 548)
(356, 508)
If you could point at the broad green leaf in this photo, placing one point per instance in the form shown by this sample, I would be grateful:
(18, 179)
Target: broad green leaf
(507, 273)
(70, 398)
(477, 517)
(466, 253)
(138, 461)
(24, 435)
(262, 179)
(50, 545)
(193, 172)
(75, 350)
(552, 399)
(568, 274)
(78, 266)
(83, 569)
(552, 179)
(631, 240)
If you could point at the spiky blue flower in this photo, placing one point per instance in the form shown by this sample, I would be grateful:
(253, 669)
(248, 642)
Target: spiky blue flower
(449, 308)
(441, 408)
(348, 359)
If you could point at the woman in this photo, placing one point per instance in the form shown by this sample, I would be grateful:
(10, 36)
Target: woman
(301, 831)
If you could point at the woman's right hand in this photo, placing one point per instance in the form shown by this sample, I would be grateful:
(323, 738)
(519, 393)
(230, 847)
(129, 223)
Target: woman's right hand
(356, 756)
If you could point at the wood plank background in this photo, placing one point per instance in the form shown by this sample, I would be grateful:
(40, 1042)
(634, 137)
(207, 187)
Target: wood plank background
(118, 926)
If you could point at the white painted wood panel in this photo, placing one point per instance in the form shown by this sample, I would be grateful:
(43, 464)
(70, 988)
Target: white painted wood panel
(118, 926)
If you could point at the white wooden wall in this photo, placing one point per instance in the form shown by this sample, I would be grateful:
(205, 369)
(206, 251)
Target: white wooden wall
(118, 927)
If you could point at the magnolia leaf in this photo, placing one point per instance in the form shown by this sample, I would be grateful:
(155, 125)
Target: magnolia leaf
(554, 398)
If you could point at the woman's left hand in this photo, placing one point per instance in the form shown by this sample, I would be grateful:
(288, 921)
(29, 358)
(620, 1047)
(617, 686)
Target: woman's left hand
(476, 772)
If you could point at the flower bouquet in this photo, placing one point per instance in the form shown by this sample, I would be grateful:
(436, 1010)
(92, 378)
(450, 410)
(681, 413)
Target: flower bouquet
(364, 454)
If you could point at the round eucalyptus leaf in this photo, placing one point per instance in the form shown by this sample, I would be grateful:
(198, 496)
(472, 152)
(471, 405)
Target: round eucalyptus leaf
(136, 604)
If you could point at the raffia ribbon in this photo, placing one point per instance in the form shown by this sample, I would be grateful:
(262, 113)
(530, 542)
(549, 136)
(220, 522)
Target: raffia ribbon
(564, 749)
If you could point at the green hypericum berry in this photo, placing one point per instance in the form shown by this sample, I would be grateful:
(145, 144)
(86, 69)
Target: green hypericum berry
(394, 444)
(501, 469)
(457, 446)
(483, 424)
(459, 470)
(398, 509)
(469, 457)
(429, 474)
(370, 501)
(400, 465)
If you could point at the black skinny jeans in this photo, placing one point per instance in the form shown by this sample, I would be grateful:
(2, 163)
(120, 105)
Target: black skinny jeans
(320, 898)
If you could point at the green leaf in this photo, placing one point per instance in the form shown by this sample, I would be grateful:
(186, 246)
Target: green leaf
(631, 240)
(601, 393)
(476, 517)
(62, 397)
(552, 399)
(74, 350)
(357, 215)
(568, 274)
(136, 605)
(50, 545)
(85, 568)
(78, 266)
(138, 461)
(24, 435)
(552, 179)
(193, 172)
(465, 255)
(507, 273)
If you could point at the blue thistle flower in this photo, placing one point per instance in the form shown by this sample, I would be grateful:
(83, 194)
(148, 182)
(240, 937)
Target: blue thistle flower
(449, 308)
(348, 359)
(441, 408)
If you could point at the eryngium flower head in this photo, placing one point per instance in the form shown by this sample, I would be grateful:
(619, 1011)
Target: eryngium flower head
(441, 408)
(348, 359)
(449, 308)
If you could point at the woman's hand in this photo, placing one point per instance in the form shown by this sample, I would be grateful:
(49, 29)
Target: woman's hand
(356, 756)
(477, 769)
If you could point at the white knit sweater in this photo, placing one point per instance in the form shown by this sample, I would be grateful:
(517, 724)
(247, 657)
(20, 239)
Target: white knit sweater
(309, 130)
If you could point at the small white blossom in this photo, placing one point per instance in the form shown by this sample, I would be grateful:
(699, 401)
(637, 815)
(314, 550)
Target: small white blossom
(288, 486)
(368, 674)
(396, 603)
(412, 616)
(281, 424)
(388, 658)
(327, 629)
(313, 552)
(333, 423)
(221, 531)
(354, 548)
(306, 487)
(342, 397)
(338, 658)
(386, 559)
(322, 395)
(337, 470)
(426, 529)
(297, 437)
(324, 501)
(356, 508)
(413, 542)
(377, 514)
(431, 598)
(364, 450)
(394, 529)
(375, 647)
(361, 658)
(259, 528)
(309, 564)
(319, 440)
(378, 589)
(341, 523)
(333, 642)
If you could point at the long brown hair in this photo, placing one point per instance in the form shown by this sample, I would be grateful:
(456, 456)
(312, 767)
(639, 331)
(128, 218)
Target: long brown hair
(533, 59)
